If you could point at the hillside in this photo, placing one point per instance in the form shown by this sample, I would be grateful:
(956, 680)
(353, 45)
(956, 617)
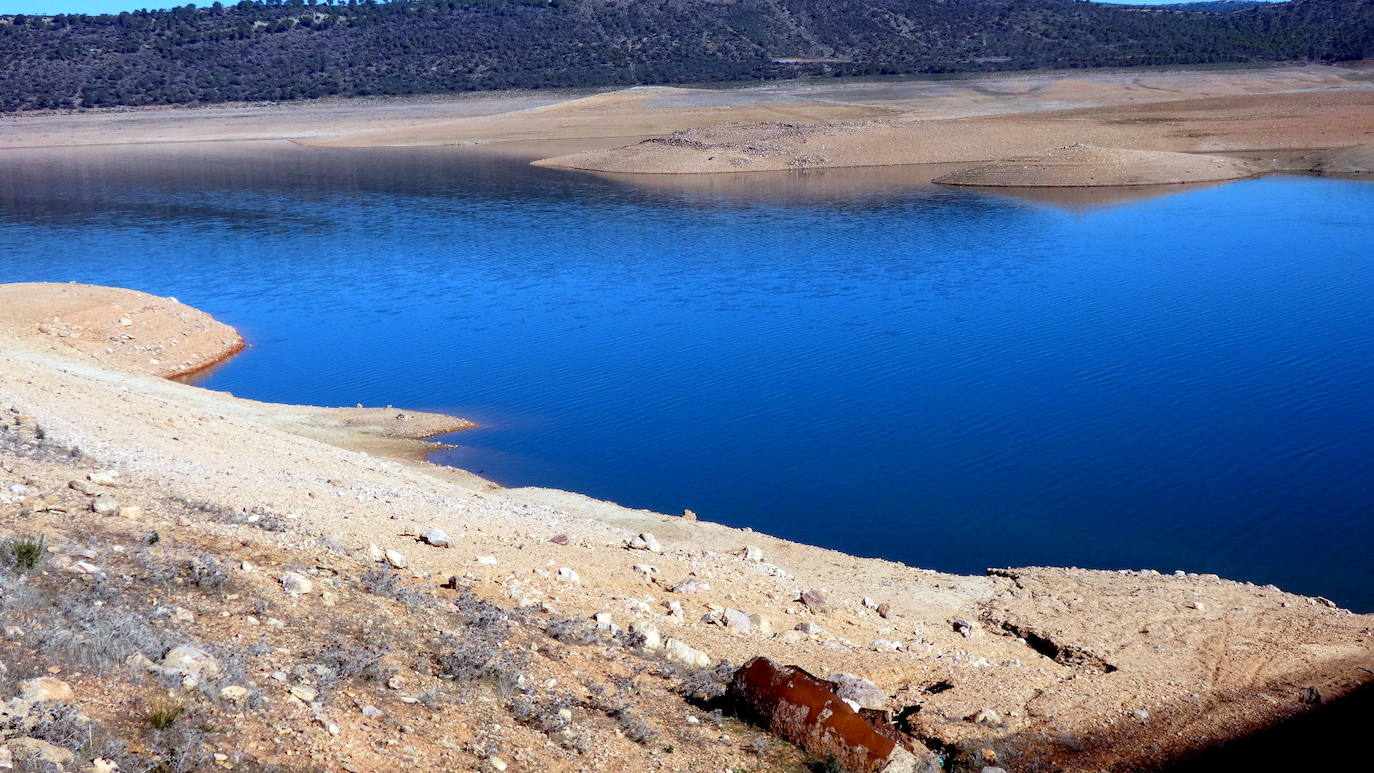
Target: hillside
(290, 50)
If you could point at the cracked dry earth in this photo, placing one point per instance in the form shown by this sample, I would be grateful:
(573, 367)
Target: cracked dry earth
(547, 634)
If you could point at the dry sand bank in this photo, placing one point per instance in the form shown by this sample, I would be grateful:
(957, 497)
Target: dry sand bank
(1084, 166)
(1234, 124)
(1082, 670)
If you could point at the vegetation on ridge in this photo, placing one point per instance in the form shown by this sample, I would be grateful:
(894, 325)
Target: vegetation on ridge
(292, 49)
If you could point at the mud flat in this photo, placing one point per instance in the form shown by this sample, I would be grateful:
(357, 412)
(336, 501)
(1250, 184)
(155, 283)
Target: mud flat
(1064, 668)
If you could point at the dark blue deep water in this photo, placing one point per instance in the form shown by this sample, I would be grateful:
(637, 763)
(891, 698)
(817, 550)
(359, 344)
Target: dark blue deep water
(947, 378)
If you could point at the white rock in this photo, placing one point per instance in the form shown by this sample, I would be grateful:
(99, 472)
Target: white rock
(752, 553)
(652, 639)
(438, 538)
(568, 575)
(371, 712)
(104, 478)
(646, 541)
(296, 583)
(487, 560)
(190, 661)
(395, 559)
(678, 651)
(737, 621)
(374, 553)
(104, 506)
(496, 763)
(859, 690)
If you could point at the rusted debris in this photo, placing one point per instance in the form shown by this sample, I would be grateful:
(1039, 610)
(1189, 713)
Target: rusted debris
(806, 711)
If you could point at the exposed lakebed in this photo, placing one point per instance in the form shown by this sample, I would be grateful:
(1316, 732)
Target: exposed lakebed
(952, 379)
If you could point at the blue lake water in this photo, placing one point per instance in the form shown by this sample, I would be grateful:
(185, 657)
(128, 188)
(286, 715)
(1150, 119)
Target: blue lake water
(947, 378)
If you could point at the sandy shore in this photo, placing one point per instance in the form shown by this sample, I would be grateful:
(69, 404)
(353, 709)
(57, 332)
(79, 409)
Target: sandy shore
(1133, 667)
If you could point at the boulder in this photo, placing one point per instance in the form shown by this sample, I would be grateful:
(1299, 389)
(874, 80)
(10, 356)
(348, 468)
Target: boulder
(191, 661)
(646, 541)
(296, 583)
(438, 538)
(680, 652)
(45, 689)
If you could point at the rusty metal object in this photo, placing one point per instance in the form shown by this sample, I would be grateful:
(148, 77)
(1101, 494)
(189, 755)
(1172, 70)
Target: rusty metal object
(805, 710)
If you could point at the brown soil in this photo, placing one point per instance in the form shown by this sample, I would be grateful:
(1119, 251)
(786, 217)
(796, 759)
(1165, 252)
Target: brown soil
(1086, 670)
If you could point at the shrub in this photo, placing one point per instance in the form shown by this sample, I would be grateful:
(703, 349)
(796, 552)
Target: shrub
(27, 552)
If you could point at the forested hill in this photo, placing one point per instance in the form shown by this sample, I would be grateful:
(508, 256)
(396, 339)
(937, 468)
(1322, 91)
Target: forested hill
(292, 49)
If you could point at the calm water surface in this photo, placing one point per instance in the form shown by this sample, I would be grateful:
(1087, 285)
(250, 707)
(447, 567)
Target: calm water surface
(947, 378)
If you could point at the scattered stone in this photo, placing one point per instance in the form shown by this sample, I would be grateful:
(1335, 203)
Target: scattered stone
(190, 661)
(815, 601)
(752, 553)
(693, 585)
(395, 559)
(104, 506)
(809, 628)
(296, 583)
(374, 553)
(304, 693)
(869, 603)
(559, 539)
(1326, 602)
(45, 689)
(438, 538)
(885, 610)
(104, 478)
(1198, 605)
(568, 575)
(1313, 696)
(964, 628)
(646, 541)
(84, 487)
(371, 712)
(859, 691)
(986, 717)
(646, 572)
(131, 512)
(680, 652)
(496, 763)
(487, 560)
(689, 515)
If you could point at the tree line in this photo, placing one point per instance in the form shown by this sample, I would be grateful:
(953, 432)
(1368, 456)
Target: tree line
(300, 49)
